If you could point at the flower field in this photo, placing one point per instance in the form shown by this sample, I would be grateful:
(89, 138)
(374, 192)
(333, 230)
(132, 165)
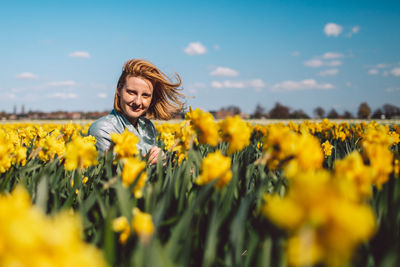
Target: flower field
(229, 193)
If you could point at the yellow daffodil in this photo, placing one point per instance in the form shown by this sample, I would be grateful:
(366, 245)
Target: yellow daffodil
(215, 166)
(30, 238)
(236, 132)
(205, 125)
(80, 152)
(142, 225)
(134, 171)
(125, 144)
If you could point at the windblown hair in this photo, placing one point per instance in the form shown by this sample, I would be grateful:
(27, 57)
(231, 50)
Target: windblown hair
(166, 99)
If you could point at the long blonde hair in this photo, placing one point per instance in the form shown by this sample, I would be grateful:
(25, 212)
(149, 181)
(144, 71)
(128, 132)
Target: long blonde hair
(166, 96)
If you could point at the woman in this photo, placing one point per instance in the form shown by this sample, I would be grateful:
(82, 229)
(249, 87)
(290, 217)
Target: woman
(143, 92)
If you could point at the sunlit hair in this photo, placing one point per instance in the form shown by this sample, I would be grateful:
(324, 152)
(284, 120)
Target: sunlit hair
(166, 96)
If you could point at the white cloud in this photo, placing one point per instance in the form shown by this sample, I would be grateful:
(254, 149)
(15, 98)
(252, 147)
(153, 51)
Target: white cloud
(349, 84)
(216, 84)
(102, 95)
(26, 76)
(61, 83)
(63, 96)
(373, 72)
(382, 65)
(392, 89)
(314, 63)
(355, 29)
(332, 55)
(307, 84)
(221, 71)
(195, 48)
(295, 54)
(255, 83)
(7, 96)
(334, 63)
(333, 29)
(329, 72)
(216, 47)
(395, 72)
(79, 54)
(17, 90)
(234, 84)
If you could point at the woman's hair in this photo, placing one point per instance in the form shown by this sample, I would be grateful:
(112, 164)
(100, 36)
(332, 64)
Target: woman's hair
(166, 96)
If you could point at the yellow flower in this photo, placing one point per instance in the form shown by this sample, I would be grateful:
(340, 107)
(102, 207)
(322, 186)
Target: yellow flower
(205, 125)
(380, 159)
(324, 221)
(283, 211)
(51, 146)
(85, 179)
(215, 166)
(80, 152)
(134, 171)
(327, 148)
(69, 131)
(279, 145)
(303, 249)
(353, 169)
(395, 137)
(142, 224)
(30, 238)
(6, 152)
(236, 132)
(121, 224)
(125, 144)
(20, 155)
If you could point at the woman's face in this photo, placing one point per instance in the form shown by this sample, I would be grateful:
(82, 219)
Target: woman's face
(135, 97)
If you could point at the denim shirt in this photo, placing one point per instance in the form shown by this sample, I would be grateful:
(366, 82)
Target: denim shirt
(116, 122)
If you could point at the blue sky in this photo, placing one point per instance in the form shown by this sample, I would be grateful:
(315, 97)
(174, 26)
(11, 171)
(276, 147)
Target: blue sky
(68, 55)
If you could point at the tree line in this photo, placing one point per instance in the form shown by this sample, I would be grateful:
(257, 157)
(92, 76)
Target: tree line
(279, 111)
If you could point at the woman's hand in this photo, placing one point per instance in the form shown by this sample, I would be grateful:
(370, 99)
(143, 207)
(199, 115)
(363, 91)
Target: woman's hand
(153, 154)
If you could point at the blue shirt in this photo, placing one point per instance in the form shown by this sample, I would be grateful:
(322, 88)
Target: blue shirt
(116, 122)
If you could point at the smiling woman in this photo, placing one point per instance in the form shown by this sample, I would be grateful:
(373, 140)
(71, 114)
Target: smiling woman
(143, 92)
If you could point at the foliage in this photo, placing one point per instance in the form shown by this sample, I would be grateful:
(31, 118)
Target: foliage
(298, 194)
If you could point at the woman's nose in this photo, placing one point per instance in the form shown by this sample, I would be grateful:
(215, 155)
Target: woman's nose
(137, 100)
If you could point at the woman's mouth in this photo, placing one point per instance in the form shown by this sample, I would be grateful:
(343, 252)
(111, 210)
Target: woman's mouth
(136, 108)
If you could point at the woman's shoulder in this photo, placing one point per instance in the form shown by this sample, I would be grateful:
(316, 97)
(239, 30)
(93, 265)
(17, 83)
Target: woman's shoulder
(145, 123)
(106, 123)
(146, 126)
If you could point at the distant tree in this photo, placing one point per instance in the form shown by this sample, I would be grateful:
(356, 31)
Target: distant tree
(377, 114)
(332, 114)
(259, 112)
(364, 111)
(235, 109)
(298, 114)
(279, 111)
(347, 115)
(319, 112)
(391, 110)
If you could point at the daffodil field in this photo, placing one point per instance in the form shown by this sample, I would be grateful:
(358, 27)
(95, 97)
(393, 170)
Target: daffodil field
(228, 193)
